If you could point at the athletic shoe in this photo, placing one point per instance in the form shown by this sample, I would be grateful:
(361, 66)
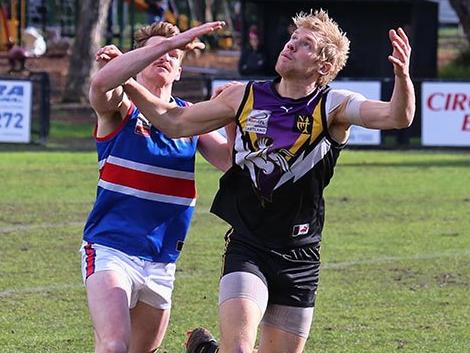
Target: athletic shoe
(200, 340)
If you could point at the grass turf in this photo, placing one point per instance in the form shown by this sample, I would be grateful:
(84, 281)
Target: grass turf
(395, 255)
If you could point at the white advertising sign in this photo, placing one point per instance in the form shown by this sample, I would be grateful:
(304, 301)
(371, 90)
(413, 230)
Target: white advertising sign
(15, 111)
(445, 114)
(370, 89)
(218, 83)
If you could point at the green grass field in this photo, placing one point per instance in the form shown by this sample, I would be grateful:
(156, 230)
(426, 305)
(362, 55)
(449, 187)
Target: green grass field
(395, 255)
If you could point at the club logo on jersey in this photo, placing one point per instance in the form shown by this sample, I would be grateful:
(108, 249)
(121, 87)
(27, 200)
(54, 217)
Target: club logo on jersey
(286, 109)
(179, 245)
(304, 124)
(142, 126)
(300, 229)
(257, 121)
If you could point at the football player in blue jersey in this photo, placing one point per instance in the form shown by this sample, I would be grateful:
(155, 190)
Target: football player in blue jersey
(144, 203)
(288, 135)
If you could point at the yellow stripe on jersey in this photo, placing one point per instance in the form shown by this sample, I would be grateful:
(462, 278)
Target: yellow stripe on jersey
(299, 143)
(316, 131)
(318, 127)
(247, 108)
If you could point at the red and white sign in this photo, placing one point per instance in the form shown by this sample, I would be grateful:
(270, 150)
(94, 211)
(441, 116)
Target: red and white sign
(445, 114)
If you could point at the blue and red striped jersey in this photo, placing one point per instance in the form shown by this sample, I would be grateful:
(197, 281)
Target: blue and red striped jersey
(146, 190)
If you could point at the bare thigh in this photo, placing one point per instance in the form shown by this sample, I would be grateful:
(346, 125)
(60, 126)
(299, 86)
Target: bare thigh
(274, 340)
(109, 311)
(149, 326)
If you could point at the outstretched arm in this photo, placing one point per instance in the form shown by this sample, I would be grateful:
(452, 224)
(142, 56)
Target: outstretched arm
(105, 101)
(119, 70)
(214, 147)
(399, 111)
(111, 106)
(189, 121)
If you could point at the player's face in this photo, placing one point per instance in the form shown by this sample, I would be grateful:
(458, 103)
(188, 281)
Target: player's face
(300, 55)
(167, 68)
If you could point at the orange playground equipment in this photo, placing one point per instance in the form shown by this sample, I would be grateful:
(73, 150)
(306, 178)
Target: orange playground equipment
(12, 15)
(141, 5)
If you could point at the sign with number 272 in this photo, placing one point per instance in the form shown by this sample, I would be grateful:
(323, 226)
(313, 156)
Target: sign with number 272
(15, 111)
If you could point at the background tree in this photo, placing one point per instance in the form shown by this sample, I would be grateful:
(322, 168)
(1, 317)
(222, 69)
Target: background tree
(89, 32)
(462, 8)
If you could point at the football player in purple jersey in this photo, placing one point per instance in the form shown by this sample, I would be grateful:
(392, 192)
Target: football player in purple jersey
(288, 135)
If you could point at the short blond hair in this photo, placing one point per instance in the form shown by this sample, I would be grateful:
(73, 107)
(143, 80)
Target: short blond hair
(333, 45)
(162, 29)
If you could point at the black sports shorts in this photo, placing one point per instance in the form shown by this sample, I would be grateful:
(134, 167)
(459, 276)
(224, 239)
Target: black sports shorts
(291, 275)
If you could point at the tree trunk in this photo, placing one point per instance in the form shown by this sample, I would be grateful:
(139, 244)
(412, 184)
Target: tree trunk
(208, 11)
(227, 15)
(88, 35)
(462, 8)
(199, 10)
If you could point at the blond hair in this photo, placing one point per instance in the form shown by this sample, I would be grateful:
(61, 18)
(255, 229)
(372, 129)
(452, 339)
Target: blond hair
(162, 29)
(333, 46)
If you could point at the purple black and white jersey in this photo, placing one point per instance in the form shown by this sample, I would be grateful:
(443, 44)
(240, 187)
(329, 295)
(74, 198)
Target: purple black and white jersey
(283, 160)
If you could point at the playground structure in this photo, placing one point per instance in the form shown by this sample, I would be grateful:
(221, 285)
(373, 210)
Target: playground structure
(12, 23)
(55, 19)
(46, 15)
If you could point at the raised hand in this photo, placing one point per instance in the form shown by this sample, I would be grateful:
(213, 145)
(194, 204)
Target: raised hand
(400, 57)
(106, 54)
(188, 39)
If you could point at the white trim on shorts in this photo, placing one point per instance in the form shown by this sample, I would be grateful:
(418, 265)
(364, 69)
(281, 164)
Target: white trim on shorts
(145, 281)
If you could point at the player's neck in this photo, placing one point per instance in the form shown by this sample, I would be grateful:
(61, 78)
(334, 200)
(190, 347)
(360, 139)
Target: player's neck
(294, 88)
(162, 92)
(156, 88)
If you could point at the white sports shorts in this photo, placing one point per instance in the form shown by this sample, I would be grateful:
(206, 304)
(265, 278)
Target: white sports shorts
(146, 281)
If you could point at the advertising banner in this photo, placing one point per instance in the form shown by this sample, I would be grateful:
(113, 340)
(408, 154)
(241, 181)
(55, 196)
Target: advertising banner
(445, 114)
(15, 111)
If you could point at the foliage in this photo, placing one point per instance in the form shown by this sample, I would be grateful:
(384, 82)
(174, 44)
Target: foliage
(459, 68)
(462, 8)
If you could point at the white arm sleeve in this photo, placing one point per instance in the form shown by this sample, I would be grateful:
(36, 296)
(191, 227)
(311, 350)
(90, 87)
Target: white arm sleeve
(337, 97)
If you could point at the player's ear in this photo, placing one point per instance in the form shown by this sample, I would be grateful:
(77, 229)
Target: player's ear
(325, 68)
(178, 76)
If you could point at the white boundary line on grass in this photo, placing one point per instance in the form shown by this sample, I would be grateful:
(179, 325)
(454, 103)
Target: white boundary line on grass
(386, 259)
(328, 266)
(26, 227)
(21, 227)
(40, 289)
